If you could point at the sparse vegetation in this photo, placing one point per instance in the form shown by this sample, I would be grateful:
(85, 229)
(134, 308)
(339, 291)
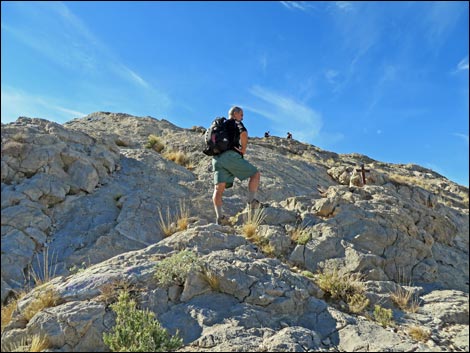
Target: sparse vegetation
(179, 157)
(300, 235)
(346, 287)
(110, 291)
(138, 330)
(210, 276)
(383, 316)
(37, 343)
(405, 300)
(179, 221)
(46, 270)
(419, 333)
(253, 219)
(175, 268)
(45, 297)
(9, 309)
(155, 143)
(402, 297)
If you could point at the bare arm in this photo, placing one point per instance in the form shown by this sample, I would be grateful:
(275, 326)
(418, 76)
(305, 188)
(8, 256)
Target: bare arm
(243, 141)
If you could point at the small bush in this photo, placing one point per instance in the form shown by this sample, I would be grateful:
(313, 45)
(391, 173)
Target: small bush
(383, 316)
(138, 330)
(155, 143)
(300, 235)
(175, 268)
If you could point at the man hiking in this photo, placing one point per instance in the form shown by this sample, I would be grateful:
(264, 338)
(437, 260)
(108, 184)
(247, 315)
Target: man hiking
(231, 164)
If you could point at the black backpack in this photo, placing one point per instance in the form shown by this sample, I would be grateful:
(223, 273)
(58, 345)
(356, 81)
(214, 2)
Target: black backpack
(216, 138)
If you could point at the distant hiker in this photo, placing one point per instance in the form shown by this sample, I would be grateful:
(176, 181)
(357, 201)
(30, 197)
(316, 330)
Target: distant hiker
(289, 136)
(231, 164)
(266, 134)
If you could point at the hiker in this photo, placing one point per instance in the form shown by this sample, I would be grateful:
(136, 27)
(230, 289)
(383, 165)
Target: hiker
(289, 136)
(266, 134)
(231, 164)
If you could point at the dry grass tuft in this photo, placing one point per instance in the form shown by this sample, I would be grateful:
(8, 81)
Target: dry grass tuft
(347, 287)
(179, 157)
(45, 298)
(253, 219)
(170, 224)
(155, 143)
(419, 333)
(300, 235)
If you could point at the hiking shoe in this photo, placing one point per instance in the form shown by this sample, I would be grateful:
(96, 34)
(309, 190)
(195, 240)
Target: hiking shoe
(223, 221)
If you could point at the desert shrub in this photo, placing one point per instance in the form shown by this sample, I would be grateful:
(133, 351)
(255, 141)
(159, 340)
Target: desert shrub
(175, 268)
(155, 143)
(383, 316)
(138, 330)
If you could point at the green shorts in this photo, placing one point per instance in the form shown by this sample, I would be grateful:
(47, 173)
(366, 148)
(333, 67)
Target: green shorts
(229, 165)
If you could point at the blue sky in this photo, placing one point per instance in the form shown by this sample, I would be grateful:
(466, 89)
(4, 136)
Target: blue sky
(384, 79)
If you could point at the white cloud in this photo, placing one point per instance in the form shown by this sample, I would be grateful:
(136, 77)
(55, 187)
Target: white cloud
(345, 6)
(16, 103)
(462, 136)
(287, 114)
(463, 64)
(68, 42)
(297, 5)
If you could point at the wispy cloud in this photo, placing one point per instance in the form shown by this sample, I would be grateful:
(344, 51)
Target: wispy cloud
(286, 114)
(345, 6)
(463, 64)
(66, 40)
(16, 103)
(297, 5)
(462, 136)
(440, 19)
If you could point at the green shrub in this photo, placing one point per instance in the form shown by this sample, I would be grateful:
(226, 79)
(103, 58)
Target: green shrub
(175, 268)
(138, 330)
(383, 316)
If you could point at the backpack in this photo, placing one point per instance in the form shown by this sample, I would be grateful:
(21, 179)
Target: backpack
(216, 138)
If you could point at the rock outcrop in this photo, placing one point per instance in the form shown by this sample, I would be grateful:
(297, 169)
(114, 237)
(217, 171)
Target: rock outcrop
(83, 202)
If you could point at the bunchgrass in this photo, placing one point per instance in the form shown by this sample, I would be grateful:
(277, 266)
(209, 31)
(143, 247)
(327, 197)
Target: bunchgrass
(346, 287)
(252, 220)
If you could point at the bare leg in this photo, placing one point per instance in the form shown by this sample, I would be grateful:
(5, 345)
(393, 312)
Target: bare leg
(253, 186)
(217, 198)
(254, 182)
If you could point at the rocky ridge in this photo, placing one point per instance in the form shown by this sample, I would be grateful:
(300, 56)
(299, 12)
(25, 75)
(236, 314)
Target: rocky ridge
(89, 192)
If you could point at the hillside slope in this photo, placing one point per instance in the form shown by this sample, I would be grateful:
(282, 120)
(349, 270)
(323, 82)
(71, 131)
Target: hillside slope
(90, 192)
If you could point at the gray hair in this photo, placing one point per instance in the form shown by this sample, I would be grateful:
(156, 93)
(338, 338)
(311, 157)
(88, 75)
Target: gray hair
(234, 110)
